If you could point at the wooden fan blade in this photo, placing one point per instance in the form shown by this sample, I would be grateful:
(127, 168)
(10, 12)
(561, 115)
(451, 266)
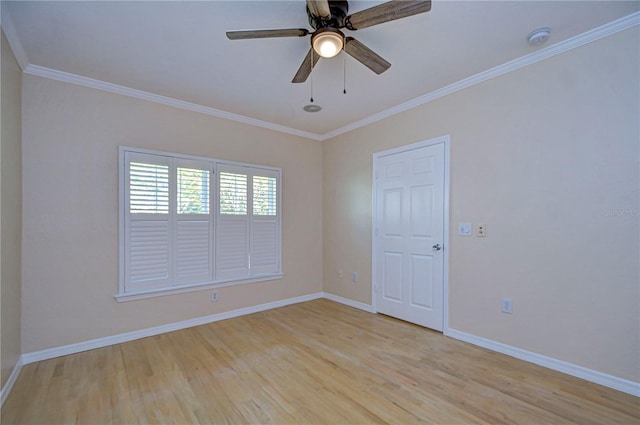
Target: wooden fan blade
(305, 67)
(365, 55)
(386, 12)
(292, 32)
(319, 8)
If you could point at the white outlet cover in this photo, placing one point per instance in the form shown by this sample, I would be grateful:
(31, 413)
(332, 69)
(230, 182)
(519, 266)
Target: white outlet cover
(507, 305)
(465, 229)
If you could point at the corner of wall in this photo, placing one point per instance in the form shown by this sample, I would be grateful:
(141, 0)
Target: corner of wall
(10, 214)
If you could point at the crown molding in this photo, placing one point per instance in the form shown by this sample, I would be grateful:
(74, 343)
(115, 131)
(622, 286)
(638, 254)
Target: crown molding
(542, 54)
(14, 41)
(79, 80)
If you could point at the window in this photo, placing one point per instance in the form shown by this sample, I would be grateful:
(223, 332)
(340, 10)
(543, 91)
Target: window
(233, 194)
(189, 222)
(193, 191)
(149, 188)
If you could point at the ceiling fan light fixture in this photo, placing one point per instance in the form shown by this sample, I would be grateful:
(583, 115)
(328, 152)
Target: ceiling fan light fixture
(328, 42)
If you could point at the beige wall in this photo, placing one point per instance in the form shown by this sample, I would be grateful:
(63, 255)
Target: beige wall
(539, 155)
(70, 153)
(11, 211)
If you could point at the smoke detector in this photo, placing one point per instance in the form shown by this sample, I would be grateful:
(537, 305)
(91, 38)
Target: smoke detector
(538, 37)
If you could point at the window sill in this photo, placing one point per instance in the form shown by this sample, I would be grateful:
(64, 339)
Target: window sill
(171, 290)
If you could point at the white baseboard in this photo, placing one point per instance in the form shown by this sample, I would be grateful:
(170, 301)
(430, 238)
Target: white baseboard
(620, 384)
(610, 381)
(64, 350)
(4, 393)
(347, 301)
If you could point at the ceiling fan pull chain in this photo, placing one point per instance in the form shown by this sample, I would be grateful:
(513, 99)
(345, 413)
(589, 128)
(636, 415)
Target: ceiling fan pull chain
(344, 74)
(311, 51)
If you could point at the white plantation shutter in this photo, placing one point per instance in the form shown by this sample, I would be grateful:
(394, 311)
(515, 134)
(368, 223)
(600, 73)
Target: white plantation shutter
(265, 257)
(189, 221)
(168, 225)
(148, 253)
(193, 240)
(248, 222)
(148, 188)
(147, 228)
(232, 222)
(193, 224)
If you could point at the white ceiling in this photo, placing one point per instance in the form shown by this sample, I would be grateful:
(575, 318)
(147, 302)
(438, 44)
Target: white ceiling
(179, 50)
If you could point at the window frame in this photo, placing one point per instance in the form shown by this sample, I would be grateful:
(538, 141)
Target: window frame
(178, 160)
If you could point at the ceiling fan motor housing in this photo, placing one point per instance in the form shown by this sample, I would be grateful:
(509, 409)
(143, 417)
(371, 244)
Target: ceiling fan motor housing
(339, 10)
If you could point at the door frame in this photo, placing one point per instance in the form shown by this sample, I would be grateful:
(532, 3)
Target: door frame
(446, 141)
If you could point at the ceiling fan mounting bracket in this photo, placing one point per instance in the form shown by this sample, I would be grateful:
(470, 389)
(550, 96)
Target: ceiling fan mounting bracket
(339, 10)
(348, 25)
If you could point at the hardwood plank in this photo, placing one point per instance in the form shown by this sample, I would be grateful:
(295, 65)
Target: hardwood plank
(318, 362)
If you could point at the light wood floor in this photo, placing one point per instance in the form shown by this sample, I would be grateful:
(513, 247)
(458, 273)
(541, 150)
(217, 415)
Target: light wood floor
(311, 363)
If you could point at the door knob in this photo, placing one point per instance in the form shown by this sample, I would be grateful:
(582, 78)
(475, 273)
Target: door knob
(437, 247)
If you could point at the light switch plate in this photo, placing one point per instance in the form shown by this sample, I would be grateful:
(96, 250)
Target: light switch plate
(464, 229)
(507, 305)
(481, 230)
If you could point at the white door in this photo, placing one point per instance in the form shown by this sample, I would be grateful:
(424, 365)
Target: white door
(409, 213)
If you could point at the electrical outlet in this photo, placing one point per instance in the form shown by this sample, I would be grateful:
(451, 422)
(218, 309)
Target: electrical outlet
(481, 230)
(214, 296)
(507, 305)
(340, 274)
(354, 277)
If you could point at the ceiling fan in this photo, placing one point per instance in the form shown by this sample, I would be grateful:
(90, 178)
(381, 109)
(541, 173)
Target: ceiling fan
(327, 18)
